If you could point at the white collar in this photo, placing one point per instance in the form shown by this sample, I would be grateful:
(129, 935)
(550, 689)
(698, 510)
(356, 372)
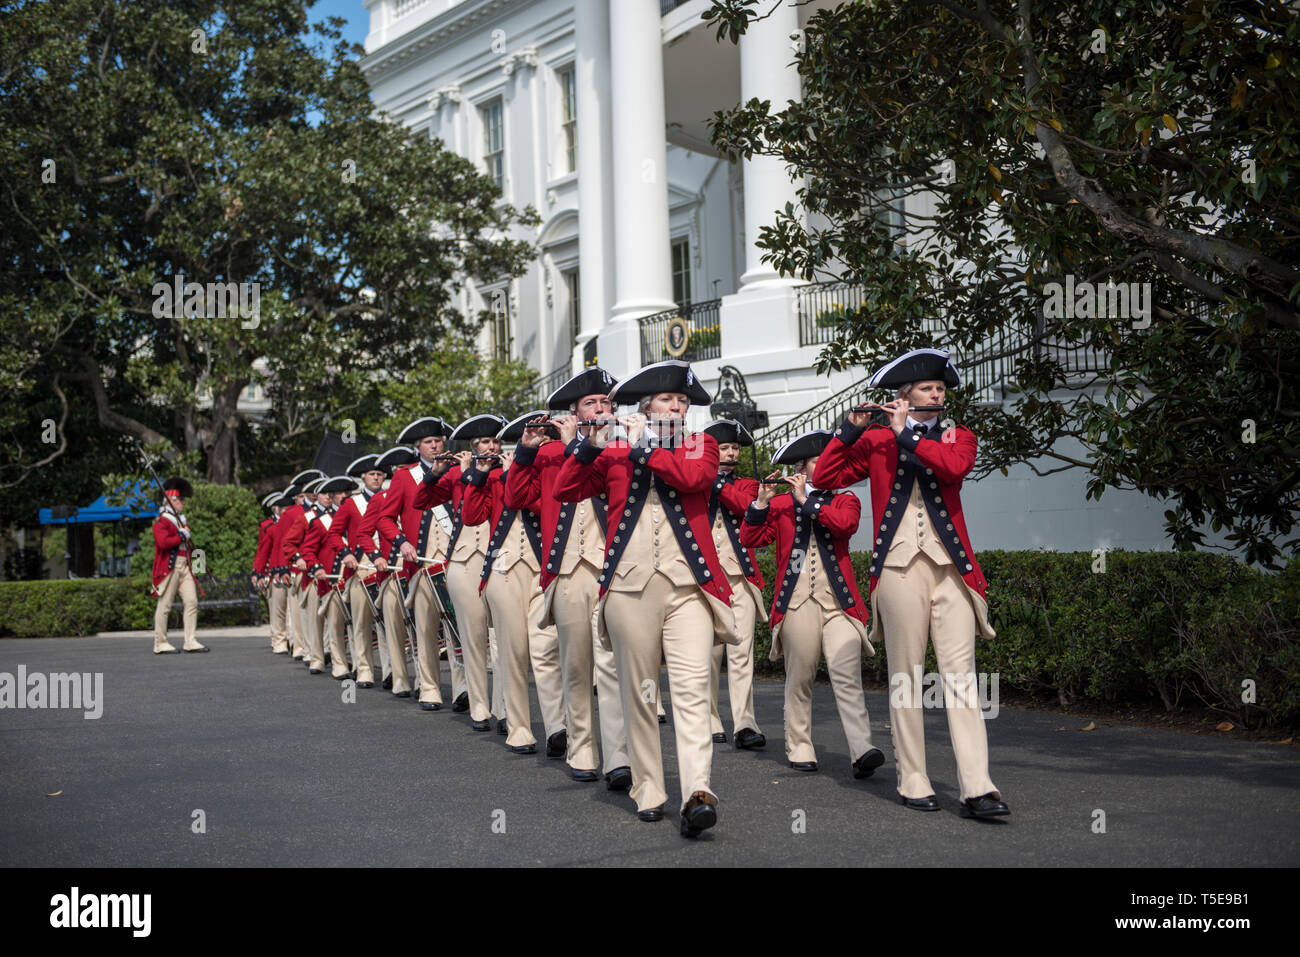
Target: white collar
(932, 424)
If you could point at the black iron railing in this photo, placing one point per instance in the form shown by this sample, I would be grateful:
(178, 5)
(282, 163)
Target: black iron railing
(705, 332)
(543, 386)
(822, 308)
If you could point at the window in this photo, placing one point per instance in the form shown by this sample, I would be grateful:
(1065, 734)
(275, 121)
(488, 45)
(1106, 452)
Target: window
(682, 272)
(575, 314)
(569, 86)
(499, 303)
(494, 149)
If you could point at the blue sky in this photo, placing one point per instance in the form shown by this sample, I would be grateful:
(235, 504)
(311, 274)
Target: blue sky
(354, 11)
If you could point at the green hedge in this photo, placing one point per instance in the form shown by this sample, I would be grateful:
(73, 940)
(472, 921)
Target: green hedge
(74, 608)
(1175, 628)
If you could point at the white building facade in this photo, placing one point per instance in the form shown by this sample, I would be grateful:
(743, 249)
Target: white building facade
(595, 113)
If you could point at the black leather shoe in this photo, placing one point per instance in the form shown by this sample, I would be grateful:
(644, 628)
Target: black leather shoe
(747, 739)
(388, 683)
(919, 804)
(663, 719)
(651, 814)
(461, 704)
(866, 765)
(401, 694)
(620, 779)
(557, 744)
(316, 671)
(699, 814)
(523, 748)
(804, 765)
(578, 774)
(197, 651)
(986, 805)
(365, 684)
(719, 737)
(430, 705)
(481, 725)
(502, 727)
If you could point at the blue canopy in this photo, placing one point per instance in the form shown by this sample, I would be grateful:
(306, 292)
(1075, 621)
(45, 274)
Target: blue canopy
(139, 504)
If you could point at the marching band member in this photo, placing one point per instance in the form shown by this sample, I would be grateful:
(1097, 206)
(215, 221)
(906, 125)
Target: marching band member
(573, 543)
(386, 558)
(172, 572)
(279, 570)
(262, 575)
(509, 585)
(925, 581)
(466, 551)
(345, 538)
(388, 605)
(817, 608)
(663, 593)
(728, 499)
(327, 604)
(302, 592)
(422, 539)
(295, 528)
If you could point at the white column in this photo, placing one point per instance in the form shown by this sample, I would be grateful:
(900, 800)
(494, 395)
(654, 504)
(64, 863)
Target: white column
(767, 73)
(642, 270)
(595, 169)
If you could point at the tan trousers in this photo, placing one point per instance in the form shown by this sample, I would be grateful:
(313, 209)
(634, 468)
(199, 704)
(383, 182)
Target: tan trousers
(807, 633)
(297, 644)
(580, 655)
(334, 631)
(514, 601)
(179, 581)
(472, 617)
(664, 621)
(920, 602)
(390, 606)
(310, 622)
(277, 604)
(363, 624)
(740, 664)
(428, 622)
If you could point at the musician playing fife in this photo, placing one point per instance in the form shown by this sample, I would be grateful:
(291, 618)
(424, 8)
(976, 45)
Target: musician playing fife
(925, 581)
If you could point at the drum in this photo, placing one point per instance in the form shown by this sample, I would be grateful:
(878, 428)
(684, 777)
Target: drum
(438, 579)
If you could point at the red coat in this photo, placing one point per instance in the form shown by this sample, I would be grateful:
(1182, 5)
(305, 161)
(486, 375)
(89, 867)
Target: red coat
(275, 562)
(838, 515)
(485, 501)
(689, 469)
(168, 545)
(317, 550)
(530, 483)
(892, 465)
(291, 539)
(736, 494)
(264, 542)
(367, 536)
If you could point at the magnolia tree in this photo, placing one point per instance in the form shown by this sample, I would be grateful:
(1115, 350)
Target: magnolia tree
(193, 188)
(1096, 198)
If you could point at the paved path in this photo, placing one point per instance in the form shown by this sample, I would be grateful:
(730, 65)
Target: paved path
(286, 773)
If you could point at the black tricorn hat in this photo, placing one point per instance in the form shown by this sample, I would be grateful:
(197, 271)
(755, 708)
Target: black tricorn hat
(802, 447)
(593, 381)
(671, 375)
(396, 457)
(359, 467)
(729, 430)
(339, 483)
(423, 428)
(312, 487)
(514, 430)
(270, 499)
(919, 365)
(285, 498)
(177, 488)
(485, 425)
(300, 480)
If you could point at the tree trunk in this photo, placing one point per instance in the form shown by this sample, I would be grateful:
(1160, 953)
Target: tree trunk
(221, 437)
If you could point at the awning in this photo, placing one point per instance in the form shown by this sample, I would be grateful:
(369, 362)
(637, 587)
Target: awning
(139, 504)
